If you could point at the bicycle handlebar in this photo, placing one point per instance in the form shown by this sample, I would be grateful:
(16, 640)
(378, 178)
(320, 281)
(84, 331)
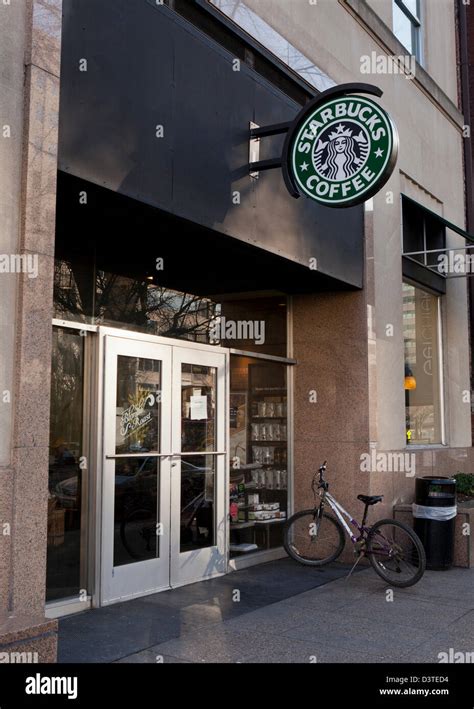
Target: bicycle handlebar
(322, 482)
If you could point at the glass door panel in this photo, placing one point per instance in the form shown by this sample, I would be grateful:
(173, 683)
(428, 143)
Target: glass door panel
(136, 510)
(137, 479)
(138, 405)
(198, 434)
(67, 477)
(197, 527)
(198, 408)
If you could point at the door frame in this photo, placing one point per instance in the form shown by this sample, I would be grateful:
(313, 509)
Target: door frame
(132, 580)
(186, 567)
(98, 452)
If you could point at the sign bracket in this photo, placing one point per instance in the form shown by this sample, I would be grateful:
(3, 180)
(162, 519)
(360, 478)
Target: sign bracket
(256, 132)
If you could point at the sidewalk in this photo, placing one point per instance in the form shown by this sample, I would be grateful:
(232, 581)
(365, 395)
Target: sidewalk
(286, 613)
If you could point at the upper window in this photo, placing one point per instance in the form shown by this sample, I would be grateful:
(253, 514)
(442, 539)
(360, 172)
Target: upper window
(407, 25)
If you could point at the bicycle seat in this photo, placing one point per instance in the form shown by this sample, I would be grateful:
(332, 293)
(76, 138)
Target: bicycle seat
(370, 499)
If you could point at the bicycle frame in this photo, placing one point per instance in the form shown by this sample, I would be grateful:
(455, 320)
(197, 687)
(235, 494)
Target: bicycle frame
(340, 513)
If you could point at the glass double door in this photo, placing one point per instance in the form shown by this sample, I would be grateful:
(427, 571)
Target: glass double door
(163, 511)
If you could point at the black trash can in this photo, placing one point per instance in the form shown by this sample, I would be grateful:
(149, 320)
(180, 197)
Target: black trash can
(435, 519)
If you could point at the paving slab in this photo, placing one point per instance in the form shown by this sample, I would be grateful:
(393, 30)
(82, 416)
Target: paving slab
(219, 645)
(286, 614)
(147, 657)
(402, 609)
(348, 633)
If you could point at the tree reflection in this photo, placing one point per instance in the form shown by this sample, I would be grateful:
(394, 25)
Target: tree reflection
(121, 300)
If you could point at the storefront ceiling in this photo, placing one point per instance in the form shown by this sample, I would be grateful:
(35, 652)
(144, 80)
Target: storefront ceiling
(148, 67)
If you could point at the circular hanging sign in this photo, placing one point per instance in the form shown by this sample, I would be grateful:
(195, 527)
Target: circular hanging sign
(342, 152)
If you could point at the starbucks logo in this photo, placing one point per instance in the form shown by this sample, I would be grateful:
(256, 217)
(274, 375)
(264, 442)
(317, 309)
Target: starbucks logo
(343, 152)
(339, 153)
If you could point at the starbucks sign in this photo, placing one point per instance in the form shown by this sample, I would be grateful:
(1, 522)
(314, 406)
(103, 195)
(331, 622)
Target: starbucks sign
(341, 151)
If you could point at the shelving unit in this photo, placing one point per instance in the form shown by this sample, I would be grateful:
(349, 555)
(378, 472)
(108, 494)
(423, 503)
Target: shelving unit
(267, 478)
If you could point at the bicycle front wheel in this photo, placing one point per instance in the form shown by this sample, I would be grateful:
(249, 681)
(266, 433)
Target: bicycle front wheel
(396, 553)
(138, 533)
(312, 538)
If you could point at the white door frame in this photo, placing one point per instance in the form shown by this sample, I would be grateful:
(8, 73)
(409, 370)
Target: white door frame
(99, 595)
(139, 577)
(195, 565)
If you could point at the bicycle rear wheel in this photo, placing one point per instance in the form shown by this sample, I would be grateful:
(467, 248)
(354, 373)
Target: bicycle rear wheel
(396, 553)
(313, 539)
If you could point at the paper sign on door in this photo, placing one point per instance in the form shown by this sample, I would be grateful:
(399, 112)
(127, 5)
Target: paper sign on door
(198, 408)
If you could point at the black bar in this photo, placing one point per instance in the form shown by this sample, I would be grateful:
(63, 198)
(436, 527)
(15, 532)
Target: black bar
(265, 165)
(387, 686)
(274, 129)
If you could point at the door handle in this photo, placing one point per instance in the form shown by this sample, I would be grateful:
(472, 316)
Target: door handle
(139, 455)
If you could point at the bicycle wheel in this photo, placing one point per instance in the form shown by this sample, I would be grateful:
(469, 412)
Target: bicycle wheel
(312, 539)
(396, 553)
(138, 533)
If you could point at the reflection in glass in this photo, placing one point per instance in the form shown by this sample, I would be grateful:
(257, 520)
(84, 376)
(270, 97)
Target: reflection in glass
(137, 430)
(136, 528)
(422, 366)
(128, 302)
(83, 292)
(65, 474)
(197, 529)
(256, 27)
(198, 408)
(138, 405)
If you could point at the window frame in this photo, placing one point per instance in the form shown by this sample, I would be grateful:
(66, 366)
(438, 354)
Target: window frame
(416, 27)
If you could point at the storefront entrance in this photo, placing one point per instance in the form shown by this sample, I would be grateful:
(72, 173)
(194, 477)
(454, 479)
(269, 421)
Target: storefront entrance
(154, 440)
(163, 502)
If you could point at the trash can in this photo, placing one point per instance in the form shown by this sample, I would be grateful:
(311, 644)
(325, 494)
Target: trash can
(434, 511)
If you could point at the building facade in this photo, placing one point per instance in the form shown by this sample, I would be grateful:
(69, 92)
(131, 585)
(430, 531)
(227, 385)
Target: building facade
(184, 342)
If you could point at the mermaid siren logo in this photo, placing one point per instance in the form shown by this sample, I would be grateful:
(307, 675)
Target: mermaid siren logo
(341, 149)
(340, 157)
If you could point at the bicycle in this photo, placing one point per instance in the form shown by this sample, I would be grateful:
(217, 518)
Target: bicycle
(315, 538)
